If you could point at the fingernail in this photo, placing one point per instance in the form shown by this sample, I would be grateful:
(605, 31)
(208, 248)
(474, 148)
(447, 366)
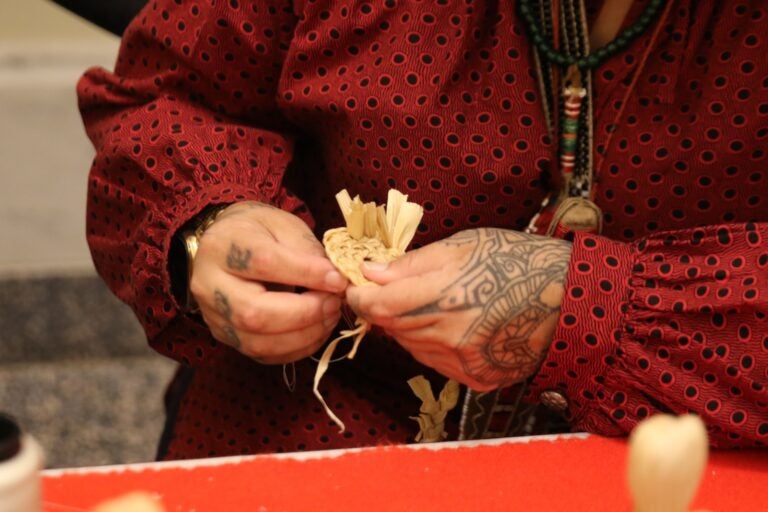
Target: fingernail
(335, 280)
(375, 266)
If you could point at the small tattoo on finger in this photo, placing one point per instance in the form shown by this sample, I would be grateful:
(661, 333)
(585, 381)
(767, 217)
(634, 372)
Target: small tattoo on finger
(238, 258)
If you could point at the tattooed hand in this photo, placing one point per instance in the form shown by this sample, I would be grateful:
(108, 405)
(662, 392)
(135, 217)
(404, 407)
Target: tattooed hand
(246, 268)
(479, 307)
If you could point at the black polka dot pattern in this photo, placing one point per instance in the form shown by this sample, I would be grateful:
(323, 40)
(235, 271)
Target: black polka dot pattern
(669, 343)
(216, 102)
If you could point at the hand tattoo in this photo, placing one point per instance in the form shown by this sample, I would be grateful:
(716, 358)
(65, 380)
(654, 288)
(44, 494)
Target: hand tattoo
(231, 336)
(223, 307)
(510, 278)
(238, 258)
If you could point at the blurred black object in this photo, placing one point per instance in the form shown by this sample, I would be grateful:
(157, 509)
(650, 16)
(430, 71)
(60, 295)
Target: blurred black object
(10, 438)
(111, 15)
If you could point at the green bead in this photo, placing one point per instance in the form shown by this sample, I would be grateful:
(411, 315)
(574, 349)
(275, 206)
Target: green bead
(571, 125)
(632, 32)
(591, 61)
(612, 48)
(568, 146)
(537, 39)
(562, 60)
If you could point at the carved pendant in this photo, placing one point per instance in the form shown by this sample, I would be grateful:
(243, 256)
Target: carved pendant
(575, 214)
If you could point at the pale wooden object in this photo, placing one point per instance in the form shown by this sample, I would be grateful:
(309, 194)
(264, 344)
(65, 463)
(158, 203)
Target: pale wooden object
(432, 413)
(133, 502)
(667, 456)
(372, 233)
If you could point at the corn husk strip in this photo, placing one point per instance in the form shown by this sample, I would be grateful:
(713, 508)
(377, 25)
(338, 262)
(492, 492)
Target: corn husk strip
(372, 233)
(402, 220)
(432, 413)
(325, 360)
(382, 231)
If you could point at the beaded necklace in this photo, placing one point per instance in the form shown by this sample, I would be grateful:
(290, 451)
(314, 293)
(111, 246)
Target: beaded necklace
(558, 31)
(590, 60)
(569, 36)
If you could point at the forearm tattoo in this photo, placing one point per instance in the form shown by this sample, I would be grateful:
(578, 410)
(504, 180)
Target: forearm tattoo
(223, 307)
(509, 278)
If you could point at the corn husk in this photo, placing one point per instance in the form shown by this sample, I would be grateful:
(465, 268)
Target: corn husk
(431, 418)
(372, 233)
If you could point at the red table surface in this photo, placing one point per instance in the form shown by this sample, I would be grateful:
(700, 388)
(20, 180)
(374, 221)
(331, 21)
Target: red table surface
(565, 473)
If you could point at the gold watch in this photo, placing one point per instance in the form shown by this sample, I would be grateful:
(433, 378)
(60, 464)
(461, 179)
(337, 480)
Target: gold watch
(190, 236)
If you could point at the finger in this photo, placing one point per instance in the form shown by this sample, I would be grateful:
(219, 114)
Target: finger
(227, 335)
(272, 262)
(298, 355)
(414, 263)
(284, 312)
(249, 309)
(274, 348)
(448, 366)
(428, 339)
(414, 296)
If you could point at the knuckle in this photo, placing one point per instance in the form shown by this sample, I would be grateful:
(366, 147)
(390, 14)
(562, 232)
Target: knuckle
(251, 353)
(464, 353)
(210, 242)
(217, 334)
(263, 258)
(313, 270)
(251, 319)
(380, 314)
(208, 320)
(197, 288)
(252, 349)
(312, 314)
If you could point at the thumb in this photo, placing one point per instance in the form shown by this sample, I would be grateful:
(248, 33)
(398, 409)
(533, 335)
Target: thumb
(413, 263)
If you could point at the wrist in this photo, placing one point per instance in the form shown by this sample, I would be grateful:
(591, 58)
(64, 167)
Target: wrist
(183, 252)
(552, 299)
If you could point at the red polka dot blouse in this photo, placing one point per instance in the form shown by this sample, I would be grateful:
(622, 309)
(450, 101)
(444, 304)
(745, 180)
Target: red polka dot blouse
(216, 101)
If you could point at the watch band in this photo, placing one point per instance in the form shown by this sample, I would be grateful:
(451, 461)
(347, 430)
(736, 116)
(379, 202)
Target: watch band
(190, 236)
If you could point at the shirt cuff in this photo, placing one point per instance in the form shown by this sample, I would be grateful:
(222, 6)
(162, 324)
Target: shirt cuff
(586, 340)
(170, 331)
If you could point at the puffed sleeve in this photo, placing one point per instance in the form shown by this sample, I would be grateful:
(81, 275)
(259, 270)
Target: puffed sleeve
(187, 120)
(674, 323)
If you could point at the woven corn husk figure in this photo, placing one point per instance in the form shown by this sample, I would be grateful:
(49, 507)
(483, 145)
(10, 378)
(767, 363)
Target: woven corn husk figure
(372, 233)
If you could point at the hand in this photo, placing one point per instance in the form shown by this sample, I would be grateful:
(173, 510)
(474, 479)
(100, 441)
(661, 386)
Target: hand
(479, 307)
(245, 271)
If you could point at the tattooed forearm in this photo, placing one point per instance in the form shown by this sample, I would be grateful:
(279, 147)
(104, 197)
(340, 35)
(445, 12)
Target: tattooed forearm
(514, 281)
(238, 258)
(223, 307)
